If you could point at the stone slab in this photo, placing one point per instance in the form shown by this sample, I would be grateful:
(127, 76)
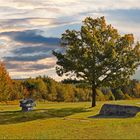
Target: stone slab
(119, 110)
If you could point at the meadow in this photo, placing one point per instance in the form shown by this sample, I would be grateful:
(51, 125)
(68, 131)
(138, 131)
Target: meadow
(66, 121)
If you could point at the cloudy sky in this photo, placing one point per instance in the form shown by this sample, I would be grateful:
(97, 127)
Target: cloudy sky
(30, 29)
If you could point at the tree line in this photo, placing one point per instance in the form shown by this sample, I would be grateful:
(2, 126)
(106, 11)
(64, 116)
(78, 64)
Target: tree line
(45, 88)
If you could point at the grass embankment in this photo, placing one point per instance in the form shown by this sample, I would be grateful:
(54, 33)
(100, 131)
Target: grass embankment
(66, 121)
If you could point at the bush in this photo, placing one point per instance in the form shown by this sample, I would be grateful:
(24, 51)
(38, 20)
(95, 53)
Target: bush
(119, 95)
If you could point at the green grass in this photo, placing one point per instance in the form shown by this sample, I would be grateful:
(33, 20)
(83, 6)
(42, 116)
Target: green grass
(66, 121)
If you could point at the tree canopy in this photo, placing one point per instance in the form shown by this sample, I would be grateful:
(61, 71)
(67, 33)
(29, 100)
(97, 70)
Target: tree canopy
(98, 54)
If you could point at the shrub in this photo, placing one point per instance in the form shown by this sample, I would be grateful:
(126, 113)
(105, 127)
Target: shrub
(119, 95)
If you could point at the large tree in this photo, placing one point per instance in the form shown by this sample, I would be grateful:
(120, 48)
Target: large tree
(98, 54)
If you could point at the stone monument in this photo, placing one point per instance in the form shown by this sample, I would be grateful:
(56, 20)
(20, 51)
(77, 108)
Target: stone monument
(27, 104)
(119, 110)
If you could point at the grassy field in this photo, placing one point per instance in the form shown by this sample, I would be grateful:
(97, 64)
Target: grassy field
(66, 121)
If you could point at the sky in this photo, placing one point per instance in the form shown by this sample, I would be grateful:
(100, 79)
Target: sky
(31, 29)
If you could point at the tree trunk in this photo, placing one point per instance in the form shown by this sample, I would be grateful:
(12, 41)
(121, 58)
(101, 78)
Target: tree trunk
(93, 96)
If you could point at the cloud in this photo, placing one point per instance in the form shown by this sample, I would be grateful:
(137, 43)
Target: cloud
(23, 55)
(126, 21)
(48, 72)
(33, 69)
(30, 29)
(31, 65)
(27, 58)
(21, 24)
(29, 52)
(31, 36)
(27, 45)
(63, 8)
(33, 50)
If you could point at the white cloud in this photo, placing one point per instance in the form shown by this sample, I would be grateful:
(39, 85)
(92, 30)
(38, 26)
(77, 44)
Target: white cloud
(59, 8)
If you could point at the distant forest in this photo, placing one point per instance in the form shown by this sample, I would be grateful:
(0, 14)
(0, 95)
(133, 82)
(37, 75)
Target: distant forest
(45, 88)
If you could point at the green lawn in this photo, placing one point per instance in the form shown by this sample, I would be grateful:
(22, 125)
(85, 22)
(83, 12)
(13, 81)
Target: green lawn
(66, 121)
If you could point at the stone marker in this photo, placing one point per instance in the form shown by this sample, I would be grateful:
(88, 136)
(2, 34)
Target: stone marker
(119, 110)
(27, 104)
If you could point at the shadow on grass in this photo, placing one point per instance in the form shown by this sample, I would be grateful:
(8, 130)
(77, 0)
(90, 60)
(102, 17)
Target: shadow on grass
(12, 117)
(112, 116)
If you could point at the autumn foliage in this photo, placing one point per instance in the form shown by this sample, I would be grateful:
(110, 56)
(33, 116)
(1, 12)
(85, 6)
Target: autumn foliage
(45, 88)
(6, 86)
(40, 88)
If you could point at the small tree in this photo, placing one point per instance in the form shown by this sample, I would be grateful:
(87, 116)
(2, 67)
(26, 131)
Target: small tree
(98, 54)
(6, 85)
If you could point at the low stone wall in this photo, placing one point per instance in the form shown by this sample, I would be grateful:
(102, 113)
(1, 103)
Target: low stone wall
(119, 110)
